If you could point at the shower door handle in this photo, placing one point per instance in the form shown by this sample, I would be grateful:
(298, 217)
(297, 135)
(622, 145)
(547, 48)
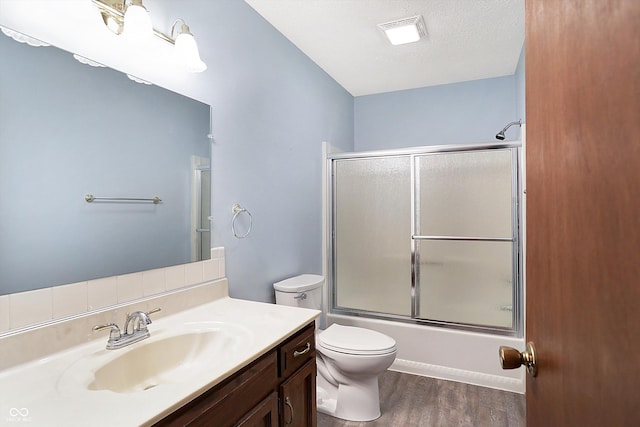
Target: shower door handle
(510, 358)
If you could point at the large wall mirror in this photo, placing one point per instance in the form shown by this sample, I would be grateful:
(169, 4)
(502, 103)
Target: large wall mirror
(67, 130)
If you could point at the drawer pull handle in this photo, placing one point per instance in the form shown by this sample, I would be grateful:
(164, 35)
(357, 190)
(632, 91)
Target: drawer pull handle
(301, 352)
(288, 403)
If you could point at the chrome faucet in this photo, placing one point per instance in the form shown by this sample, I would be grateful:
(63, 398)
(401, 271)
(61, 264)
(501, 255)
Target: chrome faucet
(138, 321)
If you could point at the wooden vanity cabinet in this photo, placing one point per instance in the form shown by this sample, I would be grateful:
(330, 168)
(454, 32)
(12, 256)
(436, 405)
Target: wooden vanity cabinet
(276, 390)
(297, 357)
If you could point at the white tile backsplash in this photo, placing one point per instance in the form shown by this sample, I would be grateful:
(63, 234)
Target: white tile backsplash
(193, 272)
(217, 252)
(153, 281)
(69, 299)
(211, 269)
(129, 287)
(17, 347)
(222, 270)
(25, 309)
(4, 313)
(175, 277)
(102, 292)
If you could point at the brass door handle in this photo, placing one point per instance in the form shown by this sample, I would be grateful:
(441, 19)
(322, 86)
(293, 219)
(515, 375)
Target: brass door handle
(510, 358)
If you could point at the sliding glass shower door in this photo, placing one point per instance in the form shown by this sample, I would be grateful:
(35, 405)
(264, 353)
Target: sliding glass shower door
(372, 213)
(429, 235)
(464, 237)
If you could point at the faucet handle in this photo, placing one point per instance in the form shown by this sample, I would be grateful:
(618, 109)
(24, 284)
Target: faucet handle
(146, 317)
(114, 333)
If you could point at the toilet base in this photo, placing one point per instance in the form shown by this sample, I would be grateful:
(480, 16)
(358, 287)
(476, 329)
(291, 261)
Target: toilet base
(353, 402)
(325, 403)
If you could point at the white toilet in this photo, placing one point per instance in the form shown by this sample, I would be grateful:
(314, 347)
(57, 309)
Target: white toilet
(349, 359)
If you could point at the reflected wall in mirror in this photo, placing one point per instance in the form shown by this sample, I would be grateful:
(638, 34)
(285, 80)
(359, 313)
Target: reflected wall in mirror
(67, 130)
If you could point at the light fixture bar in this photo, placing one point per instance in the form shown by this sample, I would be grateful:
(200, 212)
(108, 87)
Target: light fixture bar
(113, 14)
(406, 30)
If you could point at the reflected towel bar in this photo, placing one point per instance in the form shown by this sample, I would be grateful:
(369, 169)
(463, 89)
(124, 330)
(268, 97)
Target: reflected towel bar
(90, 198)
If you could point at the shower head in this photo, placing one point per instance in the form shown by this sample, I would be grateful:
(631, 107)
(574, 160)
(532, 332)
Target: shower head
(500, 135)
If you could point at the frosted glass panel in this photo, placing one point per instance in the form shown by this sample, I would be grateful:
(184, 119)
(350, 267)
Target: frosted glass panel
(465, 194)
(467, 282)
(373, 234)
(205, 212)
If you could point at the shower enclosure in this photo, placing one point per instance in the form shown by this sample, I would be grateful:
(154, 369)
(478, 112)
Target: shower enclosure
(428, 235)
(200, 209)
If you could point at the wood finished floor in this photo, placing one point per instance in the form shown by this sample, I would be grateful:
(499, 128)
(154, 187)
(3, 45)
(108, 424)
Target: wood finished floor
(415, 401)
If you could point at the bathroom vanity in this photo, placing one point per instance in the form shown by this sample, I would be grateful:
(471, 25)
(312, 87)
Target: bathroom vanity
(218, 361)
(277, 389)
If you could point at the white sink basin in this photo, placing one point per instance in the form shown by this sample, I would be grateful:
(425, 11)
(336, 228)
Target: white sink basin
(169, 356)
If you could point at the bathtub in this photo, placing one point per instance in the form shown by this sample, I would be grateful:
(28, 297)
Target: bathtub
(448, 354)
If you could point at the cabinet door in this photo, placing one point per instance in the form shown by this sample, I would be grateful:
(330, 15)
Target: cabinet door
(298, 398)
(265, 414)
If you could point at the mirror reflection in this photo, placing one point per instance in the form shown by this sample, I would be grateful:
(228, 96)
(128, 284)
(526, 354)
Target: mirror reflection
(67, 130)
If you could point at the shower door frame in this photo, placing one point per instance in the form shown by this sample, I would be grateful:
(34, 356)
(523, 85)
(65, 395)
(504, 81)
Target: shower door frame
(517, 327)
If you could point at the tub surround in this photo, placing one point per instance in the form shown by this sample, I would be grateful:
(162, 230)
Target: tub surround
(41, 389)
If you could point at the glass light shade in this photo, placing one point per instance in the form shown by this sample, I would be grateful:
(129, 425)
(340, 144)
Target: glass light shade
(22, 38)
(188, 54)
(137, 22)
(402, 35)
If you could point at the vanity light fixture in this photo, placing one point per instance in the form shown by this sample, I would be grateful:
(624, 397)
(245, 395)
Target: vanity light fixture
(187, 49)
(137, 22)
(402, 31)
(87, 61)
(23, 38)
(131, 19)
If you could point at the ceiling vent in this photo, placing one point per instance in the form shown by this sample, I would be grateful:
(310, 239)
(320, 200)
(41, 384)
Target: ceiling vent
(406, 30)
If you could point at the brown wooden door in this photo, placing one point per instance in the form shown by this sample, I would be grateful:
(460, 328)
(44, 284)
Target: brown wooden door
(583, 211)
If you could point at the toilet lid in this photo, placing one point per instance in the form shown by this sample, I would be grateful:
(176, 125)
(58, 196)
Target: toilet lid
(353, 340)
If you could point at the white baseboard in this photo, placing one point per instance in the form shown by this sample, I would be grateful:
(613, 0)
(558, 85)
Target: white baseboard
(468, 377)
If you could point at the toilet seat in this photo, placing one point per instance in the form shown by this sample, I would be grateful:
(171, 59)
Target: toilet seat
(356, 341)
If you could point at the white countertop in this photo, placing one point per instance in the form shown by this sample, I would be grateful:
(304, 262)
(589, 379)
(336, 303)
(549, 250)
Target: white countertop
(52, 391)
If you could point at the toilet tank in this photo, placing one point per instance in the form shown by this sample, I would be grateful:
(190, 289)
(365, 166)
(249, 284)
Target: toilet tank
(300, 291)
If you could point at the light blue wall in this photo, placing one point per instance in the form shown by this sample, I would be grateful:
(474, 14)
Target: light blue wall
(67, 129)
(521, 86)
(272, 108)
(459, 113)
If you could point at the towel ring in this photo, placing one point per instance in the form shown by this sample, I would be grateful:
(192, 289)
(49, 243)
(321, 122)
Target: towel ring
(237, 210)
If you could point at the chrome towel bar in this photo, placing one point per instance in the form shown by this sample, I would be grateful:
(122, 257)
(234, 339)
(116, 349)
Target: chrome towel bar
(89, 198)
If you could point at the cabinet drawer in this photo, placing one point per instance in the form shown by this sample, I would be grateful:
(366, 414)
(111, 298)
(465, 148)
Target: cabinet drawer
(297, 350)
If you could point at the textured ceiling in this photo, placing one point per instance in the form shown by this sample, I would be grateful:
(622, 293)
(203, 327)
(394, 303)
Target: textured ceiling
(466, 40)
